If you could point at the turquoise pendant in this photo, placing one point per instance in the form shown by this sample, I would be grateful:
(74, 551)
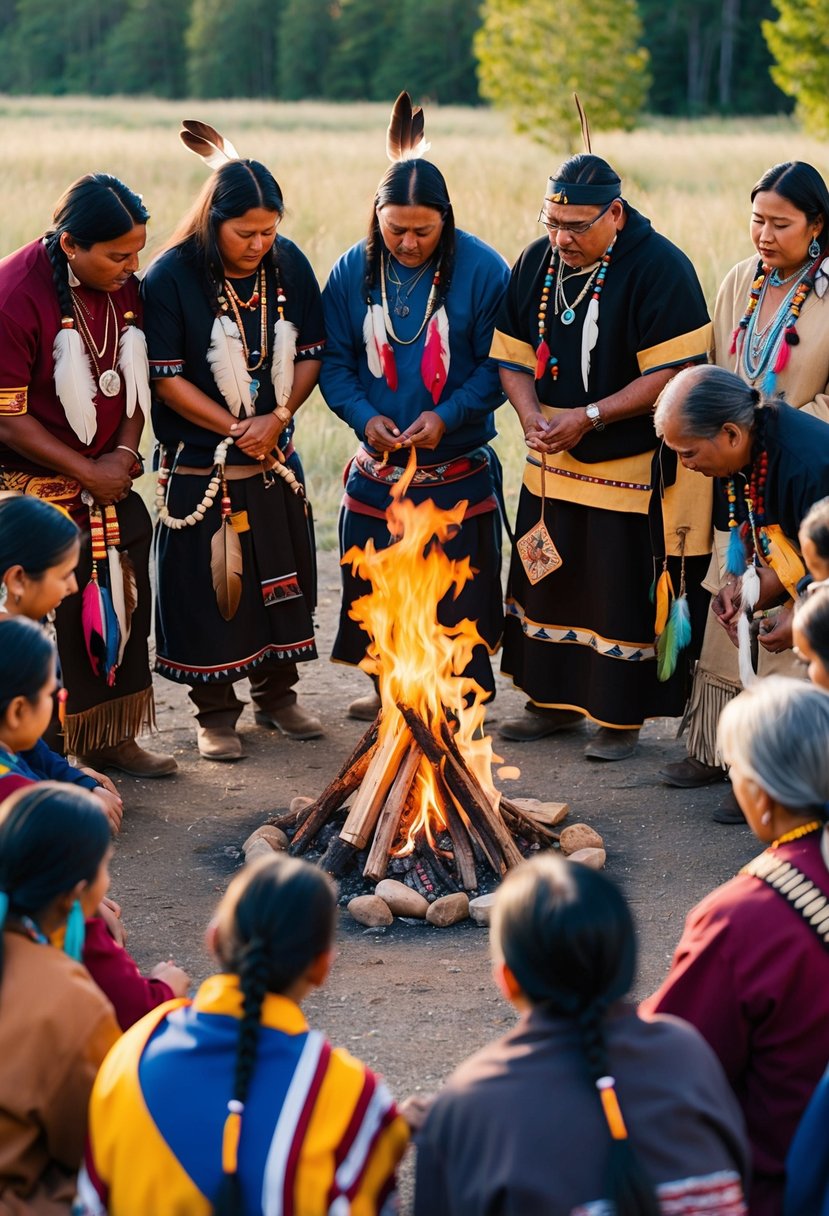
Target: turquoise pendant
(254, 391)
(568, 316)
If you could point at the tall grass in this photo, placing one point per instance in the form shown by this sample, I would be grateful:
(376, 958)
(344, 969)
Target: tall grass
(692, 180)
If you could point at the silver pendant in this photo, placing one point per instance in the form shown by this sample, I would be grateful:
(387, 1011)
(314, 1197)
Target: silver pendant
(109, 382)
(401, 310)
(568, 316)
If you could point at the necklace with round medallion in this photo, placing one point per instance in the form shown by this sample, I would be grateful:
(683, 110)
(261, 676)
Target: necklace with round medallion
(109, 381)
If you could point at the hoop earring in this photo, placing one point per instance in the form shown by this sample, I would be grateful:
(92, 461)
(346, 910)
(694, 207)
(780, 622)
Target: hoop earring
(75, 932)
(814, 248)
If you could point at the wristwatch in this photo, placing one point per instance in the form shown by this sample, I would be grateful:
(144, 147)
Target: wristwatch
(595, 415)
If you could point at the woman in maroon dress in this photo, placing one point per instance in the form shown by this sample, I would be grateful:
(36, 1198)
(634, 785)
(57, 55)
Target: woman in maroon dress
(73, 390)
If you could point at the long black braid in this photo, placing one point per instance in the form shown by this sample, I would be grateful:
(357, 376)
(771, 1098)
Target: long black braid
(276, 919)
(567, 936)
(412, 183)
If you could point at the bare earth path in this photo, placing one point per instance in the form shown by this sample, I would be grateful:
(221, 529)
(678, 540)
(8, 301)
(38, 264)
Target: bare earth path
(411, 1001)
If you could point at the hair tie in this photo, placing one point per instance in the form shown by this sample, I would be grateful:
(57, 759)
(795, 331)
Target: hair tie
(756, 396)
(610, 1105)
(230, 1136)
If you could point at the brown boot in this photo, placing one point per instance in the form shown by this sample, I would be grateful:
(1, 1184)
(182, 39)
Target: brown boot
(294, 721)
(219, 743)
(610, 743)
(128, 757)
(534, 724)
(365, 709)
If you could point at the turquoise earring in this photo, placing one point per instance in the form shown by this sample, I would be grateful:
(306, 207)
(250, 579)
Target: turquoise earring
(75, 932)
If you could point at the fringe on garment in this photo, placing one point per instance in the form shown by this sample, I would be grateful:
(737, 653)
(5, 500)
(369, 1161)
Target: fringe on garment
(709, 696)
(109, 724)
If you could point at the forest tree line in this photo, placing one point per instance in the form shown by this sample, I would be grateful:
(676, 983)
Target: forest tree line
(703, 56)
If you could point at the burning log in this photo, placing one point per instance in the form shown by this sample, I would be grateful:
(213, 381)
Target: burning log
(344, 784)
(387, 828)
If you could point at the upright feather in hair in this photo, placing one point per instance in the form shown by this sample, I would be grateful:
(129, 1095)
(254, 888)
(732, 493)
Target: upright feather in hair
(135, 368)
(74, 383)
(207, 143)
(405, 138)
(282, 361)
(585, 125)
(226, 359)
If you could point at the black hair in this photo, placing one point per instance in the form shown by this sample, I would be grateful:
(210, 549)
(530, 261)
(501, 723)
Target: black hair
(97, 207)
(234, 189)
(811, 615)
(707, 397)
(27, 657)
(587, 170)
(815, 525)
(33, 534)
(567, 935)
(801, 185)
(413, 183)
(52, 836)
(277, 917)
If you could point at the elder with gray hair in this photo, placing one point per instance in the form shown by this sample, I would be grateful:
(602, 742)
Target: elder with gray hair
(752, 969)
(772, 463)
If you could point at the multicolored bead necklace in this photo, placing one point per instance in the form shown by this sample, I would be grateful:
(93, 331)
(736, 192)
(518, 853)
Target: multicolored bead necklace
(753, 529)
(544, 359)
(771, 353)
(259, 299)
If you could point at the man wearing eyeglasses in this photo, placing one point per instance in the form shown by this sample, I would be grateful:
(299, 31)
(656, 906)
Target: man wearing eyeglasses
(600, 313)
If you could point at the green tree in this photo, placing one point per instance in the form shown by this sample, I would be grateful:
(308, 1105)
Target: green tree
(145, 51)
(34, 48)
(533, 56)
(365, 32)
(799, 42)
(432, 55)
(306, 36)
(233, 48)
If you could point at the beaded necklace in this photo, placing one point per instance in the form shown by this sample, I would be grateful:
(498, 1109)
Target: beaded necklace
(805, 829)
(231, 301)
(752, 530)
(772, 347)
(567, 311)
(434, 292)
(544, 358)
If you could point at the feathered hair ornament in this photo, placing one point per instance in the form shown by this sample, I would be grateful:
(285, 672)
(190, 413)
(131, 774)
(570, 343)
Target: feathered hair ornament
(207, 143)
(406, 140)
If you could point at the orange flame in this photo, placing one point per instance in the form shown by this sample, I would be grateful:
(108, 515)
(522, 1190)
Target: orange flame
(418, 661)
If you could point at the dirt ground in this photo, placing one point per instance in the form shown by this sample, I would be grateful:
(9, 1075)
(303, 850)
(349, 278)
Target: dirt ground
(412, 1000)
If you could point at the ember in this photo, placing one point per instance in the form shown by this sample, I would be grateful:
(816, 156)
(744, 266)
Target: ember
(420, 780)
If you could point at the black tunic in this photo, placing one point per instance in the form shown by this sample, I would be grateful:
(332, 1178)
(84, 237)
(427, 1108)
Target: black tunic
(583, 637)
(273, 622)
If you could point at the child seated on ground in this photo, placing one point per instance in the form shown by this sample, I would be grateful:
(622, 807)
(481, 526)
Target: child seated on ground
(56, 1025)
(584, 1108)
(27, 682)
(231, 1100)
(810, 634)
(39, 549)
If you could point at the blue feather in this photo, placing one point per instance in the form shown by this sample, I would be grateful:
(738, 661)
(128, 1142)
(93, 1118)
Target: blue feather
(112, 635)
(673, 639)
(735, 558)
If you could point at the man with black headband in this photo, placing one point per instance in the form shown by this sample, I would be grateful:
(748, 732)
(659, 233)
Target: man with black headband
(599, 315)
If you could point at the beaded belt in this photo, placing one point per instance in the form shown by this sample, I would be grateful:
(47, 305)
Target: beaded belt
(425, 474)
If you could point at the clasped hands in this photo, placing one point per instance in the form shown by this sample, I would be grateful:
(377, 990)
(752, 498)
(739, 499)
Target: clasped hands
(775, 631)
(558, 434)
(426, 431)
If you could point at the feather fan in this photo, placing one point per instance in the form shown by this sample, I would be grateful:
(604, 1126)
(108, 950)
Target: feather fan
(207, 143)
(226, 568)
(226, 358)
(135, 369)
(749, 594)
(405, 138)
(282, 361)
(74, 384)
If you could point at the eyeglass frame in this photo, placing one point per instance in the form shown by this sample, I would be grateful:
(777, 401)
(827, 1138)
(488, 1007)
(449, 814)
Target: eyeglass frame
(576, 229)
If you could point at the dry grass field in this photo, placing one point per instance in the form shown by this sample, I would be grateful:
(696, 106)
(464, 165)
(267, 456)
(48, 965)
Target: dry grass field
(693, 180)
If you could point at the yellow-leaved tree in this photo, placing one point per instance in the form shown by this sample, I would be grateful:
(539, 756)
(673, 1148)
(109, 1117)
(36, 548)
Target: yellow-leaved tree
(799, 42)
(533, 55)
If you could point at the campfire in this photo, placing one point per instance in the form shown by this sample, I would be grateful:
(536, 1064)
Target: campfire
(419, 784)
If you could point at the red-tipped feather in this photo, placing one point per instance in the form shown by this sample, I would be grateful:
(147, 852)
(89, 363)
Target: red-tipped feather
(432, 366)
(93, 624)
(389, 366)
(782, 357)
(542, 358)
(734, 337)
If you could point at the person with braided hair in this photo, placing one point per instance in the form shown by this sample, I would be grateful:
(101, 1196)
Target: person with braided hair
(771, 328)
(583, 1108)
(56, 1025)
(230, 1102)
(772, 464)
(409, 314)
(235, 334)
(73, 390)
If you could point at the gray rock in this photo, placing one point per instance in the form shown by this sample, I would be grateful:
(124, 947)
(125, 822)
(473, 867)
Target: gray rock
(480, 909)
